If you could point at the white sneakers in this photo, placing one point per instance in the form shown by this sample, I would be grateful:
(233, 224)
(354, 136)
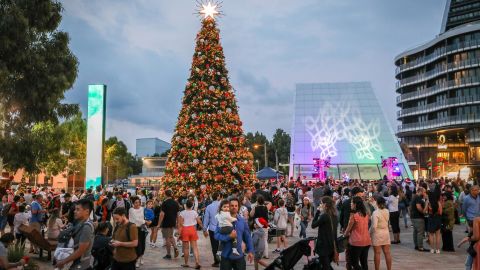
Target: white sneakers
(435, 251)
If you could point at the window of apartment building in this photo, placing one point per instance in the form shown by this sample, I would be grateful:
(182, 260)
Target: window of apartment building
(421, 102)
(465, 7)
(441, 98)
(442, 114)
(422, 118)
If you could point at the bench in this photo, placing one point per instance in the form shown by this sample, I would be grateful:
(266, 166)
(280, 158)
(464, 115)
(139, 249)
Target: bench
(38, 239)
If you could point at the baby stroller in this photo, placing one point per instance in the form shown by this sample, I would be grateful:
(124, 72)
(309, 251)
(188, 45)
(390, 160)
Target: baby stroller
(272, 231)
(290, 256)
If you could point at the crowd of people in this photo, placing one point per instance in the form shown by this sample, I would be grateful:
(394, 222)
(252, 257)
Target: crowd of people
(97, 229)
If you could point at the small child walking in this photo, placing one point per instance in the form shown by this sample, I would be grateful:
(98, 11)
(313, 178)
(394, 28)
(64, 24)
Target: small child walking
(225, 224)
(258, 238)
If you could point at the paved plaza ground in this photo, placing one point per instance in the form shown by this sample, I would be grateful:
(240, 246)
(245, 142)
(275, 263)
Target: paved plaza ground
(404, 256)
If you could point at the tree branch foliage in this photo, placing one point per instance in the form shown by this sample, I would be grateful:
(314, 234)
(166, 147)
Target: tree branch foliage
(36, 69)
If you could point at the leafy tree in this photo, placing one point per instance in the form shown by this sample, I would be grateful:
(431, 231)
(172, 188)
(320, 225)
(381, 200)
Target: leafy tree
(256, 143)
(165, 154)
(36, 69)
(119, 162)
(135, 164)
(280, 143)
(75, 144)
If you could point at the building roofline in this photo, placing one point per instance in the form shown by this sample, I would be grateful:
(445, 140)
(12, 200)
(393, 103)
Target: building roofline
(465, 28)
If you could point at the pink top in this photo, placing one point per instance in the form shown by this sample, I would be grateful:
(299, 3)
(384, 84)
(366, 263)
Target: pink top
(359, 235)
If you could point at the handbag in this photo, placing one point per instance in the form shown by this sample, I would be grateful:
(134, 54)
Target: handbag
(336, 257)
(341, 242)
(471, 250)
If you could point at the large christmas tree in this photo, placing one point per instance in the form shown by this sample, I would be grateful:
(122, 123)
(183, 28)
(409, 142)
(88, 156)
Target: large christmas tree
(208, 146)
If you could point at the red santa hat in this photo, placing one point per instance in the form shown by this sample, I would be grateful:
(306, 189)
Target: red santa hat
(261, 222)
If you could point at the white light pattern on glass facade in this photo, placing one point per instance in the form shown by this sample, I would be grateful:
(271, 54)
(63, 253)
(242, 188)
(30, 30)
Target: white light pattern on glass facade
(343, 121)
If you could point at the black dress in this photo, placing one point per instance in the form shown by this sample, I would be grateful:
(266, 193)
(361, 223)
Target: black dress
(327, 234)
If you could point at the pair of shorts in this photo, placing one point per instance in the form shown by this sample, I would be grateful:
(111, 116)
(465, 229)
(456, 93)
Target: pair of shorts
(258, 255)
(189, 233)
(167, 232)
(280, 232)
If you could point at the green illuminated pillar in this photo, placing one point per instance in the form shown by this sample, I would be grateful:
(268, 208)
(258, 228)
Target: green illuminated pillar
(95, 134)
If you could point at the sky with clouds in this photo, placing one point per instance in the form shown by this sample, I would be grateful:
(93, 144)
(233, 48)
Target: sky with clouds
(142, 51)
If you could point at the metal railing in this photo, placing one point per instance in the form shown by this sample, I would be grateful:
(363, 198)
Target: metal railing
(471, 118)
(468, 81)
(450, 102)
(440, 52)
(469, 63)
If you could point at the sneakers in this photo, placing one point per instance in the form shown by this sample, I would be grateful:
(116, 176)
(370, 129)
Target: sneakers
(235, 252)
(432, 251)
(276, 250)
(167, 257)
(437, 251)
(137, 264)
(141, 261)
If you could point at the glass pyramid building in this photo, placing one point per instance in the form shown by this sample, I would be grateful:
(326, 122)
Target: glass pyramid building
(342, 122)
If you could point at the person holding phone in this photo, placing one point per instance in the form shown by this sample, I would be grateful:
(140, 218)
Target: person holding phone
(125, 241)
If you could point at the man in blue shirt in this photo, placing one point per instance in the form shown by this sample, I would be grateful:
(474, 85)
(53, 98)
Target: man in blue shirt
(242, 233)
(210, 225)
(38, 214)
(471, 205)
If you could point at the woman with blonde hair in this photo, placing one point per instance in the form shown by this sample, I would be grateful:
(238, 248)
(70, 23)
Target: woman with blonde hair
(54, 225)
(380, 234)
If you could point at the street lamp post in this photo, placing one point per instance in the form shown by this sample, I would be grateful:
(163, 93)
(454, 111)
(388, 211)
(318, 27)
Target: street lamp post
(256, 146)
(258, 166)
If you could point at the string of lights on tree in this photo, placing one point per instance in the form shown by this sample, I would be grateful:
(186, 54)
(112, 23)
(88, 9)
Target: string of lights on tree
(208, 151)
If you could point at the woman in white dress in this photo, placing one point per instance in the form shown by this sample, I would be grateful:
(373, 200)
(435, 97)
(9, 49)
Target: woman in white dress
(380, 234)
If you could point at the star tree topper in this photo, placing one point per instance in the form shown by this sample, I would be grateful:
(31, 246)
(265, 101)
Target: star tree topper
(209, 10)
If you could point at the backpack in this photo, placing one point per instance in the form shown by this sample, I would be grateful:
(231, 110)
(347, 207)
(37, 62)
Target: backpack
(127, 230)
(65, 238)
(281, 218)
(6, 209)
(102, 257)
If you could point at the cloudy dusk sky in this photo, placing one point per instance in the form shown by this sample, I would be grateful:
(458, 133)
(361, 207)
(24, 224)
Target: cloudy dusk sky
(142, 51)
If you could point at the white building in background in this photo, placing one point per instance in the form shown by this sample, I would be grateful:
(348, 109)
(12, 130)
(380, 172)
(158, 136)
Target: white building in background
(147, 147)
(153, 168)
(343, 122)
